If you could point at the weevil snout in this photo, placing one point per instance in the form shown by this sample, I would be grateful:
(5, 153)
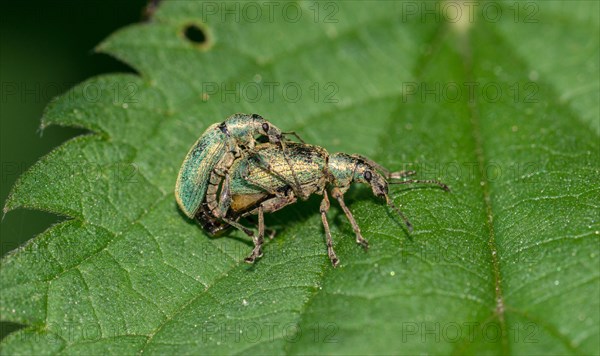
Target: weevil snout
(369, 174)
(379, 186)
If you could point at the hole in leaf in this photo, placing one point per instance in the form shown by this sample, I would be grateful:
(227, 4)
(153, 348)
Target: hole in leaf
(195, 34)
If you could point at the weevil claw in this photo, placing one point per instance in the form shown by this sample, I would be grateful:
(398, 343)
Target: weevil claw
(335, 262)
(253, 256)
(364, 243)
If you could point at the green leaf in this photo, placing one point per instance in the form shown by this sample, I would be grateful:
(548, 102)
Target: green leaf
(503, 108)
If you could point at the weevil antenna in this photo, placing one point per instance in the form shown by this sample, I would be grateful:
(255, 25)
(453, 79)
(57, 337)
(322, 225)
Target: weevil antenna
(377, 166)
(401, 174)
(428, 181)
(293, 133)
(399, 212)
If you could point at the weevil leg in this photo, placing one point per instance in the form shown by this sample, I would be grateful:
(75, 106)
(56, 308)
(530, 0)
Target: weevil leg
(274, 204)
(238, 226)
(211, 191)
(359, 239)
(278, 203)
(219, 209)
(268, 231)
(225, 163)
(233, 148)
(258, 240)
(224, 198)
(217, 175)
(323, 209)
(270, 205)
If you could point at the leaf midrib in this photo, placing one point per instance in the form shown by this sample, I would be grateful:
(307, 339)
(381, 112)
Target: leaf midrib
(477, 137)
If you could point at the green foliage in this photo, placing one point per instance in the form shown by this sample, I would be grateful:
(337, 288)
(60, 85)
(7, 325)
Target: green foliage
(505, 112)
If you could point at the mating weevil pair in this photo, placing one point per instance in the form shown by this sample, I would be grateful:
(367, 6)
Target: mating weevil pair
(207, 162)
(254, 179)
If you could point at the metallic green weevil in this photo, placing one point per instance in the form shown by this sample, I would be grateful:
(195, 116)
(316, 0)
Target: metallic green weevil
(262, 182)
(208, 161)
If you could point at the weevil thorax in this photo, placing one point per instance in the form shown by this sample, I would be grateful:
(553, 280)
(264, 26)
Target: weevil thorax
(346, 169)
(244, 127)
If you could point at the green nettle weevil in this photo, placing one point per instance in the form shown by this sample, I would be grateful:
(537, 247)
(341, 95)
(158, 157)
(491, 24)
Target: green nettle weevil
(262, 182)
(208, 160)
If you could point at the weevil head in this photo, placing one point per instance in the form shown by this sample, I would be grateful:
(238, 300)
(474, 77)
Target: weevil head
(346, 169)
(265, 128)
(244, 128)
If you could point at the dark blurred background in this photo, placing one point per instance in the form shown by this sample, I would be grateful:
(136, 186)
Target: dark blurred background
(46, 47)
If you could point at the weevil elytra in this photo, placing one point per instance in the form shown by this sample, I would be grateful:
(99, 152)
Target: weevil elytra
(208, 161)
(262, 182)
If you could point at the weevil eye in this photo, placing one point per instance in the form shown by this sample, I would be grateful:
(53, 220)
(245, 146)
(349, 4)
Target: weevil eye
(265, 127)
(368, 175)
